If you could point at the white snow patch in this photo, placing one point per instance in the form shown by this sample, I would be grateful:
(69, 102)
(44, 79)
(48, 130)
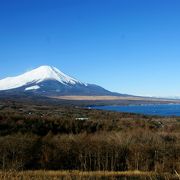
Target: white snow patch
(32, 88)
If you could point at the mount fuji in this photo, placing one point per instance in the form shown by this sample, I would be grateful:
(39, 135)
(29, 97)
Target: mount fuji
(49, 81)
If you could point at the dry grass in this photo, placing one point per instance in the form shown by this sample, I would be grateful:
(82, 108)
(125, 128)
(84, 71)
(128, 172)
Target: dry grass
(111, 98)
(77, 175)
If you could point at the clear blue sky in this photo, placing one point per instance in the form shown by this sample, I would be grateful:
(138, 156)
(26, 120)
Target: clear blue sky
(128, 46)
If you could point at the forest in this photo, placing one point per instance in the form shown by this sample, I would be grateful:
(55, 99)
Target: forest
(57, 137)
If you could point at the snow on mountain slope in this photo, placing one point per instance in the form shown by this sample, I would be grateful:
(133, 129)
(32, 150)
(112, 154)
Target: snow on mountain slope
(32, 88)
(36, 76)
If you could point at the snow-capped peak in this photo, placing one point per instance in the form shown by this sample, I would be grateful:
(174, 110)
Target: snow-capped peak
(36, 76)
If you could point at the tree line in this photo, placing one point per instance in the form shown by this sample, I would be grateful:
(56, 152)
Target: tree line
(113, 151)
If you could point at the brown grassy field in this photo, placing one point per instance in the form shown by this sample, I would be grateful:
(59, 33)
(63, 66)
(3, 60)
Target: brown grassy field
(78, 175)
(110, 98)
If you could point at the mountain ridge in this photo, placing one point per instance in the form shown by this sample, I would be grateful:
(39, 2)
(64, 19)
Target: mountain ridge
(50, 81)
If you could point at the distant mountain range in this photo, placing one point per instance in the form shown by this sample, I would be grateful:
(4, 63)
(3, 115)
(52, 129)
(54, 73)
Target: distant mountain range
(49, 81)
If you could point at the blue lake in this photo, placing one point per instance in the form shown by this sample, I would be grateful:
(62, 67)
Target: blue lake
(160, 109)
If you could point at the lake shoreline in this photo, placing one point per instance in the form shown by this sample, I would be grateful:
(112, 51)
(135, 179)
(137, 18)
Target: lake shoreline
(164, 110)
